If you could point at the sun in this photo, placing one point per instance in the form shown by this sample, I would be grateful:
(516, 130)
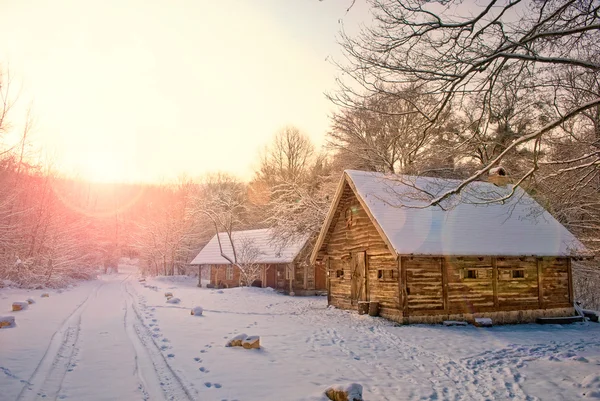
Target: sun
(103, 167)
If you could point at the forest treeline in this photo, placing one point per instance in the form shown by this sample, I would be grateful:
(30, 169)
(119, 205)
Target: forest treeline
(438, 95)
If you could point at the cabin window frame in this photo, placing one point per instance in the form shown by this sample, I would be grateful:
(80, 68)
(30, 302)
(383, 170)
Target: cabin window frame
(289, 272)
(229, 272)
(349, 216)
(387, 275)
(339, 273)
(517, 274)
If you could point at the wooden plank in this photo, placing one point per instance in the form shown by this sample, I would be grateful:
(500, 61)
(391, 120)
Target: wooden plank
(540, 272)
(404, 275)
(400, 285)
(444, 283)
(570, 277)
(495, 281)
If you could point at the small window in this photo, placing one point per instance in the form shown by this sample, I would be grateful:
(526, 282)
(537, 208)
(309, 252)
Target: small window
(229, 273)
(289, 272)
(339, 273)
(518, 273)
(387, 275)
(471, 273)
(350, 216)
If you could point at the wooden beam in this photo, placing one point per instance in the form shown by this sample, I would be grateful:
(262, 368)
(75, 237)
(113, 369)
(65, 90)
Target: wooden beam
(495, 281)
(540, 276)
(404, 286)
(570, 276)
(400, 284)
(444, 272)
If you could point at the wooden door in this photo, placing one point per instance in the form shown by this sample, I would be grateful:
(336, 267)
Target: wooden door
(271, 276)
(358, 268)
(320, 276)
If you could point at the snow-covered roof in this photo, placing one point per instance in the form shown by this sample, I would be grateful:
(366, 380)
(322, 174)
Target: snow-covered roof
(267, 250)
(466, 224)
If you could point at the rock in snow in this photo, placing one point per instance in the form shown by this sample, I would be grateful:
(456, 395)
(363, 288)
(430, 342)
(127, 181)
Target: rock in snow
(45, 295)
(252, 342)
(349, 392)
(197, 311)
(7, 322)
(483, 322)
(173, 300)
(17, 306)
(30, 301)
(236, 341)
(168, 294)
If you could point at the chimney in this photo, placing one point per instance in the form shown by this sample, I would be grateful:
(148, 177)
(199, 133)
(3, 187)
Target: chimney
(498, 176)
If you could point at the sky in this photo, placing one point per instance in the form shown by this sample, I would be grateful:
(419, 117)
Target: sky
(149, 90)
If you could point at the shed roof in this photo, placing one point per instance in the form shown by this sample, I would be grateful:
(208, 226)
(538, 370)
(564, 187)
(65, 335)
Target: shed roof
(469, 223)
(268, 251)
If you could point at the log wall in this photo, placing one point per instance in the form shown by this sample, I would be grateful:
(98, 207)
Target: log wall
(352, 231)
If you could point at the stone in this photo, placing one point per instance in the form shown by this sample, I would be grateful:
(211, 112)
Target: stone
(45, 295)
(348, 392)
(18, 306)
(168, 294)
(236, 341)
(196, 311)
(7, 322)
(252, 342)
(482, 322)
(30, 301)
(173, 300)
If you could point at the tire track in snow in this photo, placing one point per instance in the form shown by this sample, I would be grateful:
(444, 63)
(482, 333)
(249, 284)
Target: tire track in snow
(47, 378)
(161, 379)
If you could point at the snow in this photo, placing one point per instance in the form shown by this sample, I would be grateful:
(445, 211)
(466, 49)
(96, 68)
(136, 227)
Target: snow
(197, 311)
(517, 226)
(269, 251)
(113, 338)
(173, 300)
(483, 322)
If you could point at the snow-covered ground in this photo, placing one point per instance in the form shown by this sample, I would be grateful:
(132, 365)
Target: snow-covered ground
(118, 339)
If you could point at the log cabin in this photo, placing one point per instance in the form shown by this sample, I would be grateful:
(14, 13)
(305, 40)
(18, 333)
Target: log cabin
(471, 256)
(281, 267)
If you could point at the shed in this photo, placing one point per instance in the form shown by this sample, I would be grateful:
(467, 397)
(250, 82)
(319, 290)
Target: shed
(473, 256)
(282, 266)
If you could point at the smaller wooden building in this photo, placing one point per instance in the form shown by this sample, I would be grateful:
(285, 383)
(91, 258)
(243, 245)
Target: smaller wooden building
(470, 257)
(284, 268)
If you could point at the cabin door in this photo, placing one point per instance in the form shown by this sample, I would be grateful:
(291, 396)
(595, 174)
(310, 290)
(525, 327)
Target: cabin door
(359, 277)
(320, 276)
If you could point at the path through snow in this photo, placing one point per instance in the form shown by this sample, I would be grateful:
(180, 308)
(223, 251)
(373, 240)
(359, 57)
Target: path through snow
(115, 338)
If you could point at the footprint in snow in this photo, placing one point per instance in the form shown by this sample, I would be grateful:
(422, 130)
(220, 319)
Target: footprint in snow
(165, 340)
(171, 355)
(164, 347)
(203, 369)
(156, 329)
(202, 351)
(208, 384)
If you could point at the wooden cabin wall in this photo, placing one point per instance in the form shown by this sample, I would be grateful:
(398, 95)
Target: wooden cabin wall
(557, 286)
(466, 295)
(358, 235)
(218, 276)
(517, 293)
(467, 285)
(383, 282)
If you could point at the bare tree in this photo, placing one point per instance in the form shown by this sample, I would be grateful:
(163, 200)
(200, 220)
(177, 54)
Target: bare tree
(459, 55)
(248, 261)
